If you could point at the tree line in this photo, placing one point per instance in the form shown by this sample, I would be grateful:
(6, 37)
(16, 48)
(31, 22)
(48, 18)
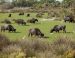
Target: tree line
(31, 3)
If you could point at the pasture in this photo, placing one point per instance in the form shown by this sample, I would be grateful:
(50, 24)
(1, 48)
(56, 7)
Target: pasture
(44, 26)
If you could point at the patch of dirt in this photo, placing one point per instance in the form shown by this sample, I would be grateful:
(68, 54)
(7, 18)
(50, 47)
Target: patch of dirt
(24, 37)
(50, 19)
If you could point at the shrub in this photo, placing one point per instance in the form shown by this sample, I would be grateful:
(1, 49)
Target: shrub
(40, 48)
(60, 46)
(69, 54)
(32, 47)
(63, 47)
(12, 51)
(4, 41)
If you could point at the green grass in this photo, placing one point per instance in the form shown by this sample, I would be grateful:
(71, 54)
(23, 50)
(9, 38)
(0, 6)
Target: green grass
(44, 26)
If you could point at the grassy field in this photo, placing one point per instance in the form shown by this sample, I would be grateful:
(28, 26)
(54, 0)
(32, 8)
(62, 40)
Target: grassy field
(44, 26)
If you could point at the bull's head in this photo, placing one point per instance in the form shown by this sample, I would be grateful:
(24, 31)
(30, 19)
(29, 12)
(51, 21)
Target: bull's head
(42, 35)
(36, 20)
(14, 30)
(51, 30)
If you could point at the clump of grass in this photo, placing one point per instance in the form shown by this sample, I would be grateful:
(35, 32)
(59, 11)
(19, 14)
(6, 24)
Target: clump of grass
(64, 47)
(69, 54)
(4, 41)
(60, 46)
(12, 51)
(33, 46)
(41, 48)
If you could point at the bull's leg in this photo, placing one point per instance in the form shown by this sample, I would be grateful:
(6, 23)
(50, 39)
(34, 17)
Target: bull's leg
(64, 30)
(58, 31)
(69, 21)
(1, 30)
(18, 23)
(29, 34)
(33, 22)
(39, 36)
(4, 30)
(24, 23)
(64, 20)
(14, 30)
(9, 30)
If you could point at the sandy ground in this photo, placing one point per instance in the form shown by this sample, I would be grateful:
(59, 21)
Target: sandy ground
(50, 19)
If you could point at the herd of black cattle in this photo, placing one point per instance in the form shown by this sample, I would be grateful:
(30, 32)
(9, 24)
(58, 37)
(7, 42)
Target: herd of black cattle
(35, 31)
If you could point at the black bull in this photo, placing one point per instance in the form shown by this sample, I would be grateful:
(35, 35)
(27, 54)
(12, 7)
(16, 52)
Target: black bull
(69, 18)
(33, 20)
(6, 21)
(22, 13)
(35, 32)
(9, 15)
(20, 21)
(58, 28)
(8, 27)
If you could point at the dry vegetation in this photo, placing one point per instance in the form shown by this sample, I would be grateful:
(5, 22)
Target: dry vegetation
(37, 48)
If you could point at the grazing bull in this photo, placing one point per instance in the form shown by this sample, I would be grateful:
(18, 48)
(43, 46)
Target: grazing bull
(9, 15)
(8, 27)
(39, 15)
(20, 22)
(69, 18)
(33, 20)
(28, 15)
(6, 21)
(36, 32)
(58, 28)
(22, 13)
